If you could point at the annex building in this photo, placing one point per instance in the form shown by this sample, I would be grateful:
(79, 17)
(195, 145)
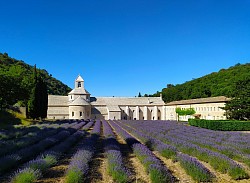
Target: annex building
(79, 104)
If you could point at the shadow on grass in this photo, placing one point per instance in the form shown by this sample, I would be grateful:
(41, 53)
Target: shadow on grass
(7, 120)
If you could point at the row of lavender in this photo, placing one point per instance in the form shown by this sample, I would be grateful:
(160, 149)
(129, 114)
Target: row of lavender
(33, 170)
(40, 144)
(114, 156)
(204, 144)
(191, 165)
(157, 171)
(45, 149)
(39, 133)
(235, 145)
(79, 164)
(21, 131)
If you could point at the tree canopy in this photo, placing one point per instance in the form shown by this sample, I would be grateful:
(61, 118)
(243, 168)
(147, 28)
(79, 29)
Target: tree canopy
(16, 81)
(239, 106)
(215, 84)
(184, 112)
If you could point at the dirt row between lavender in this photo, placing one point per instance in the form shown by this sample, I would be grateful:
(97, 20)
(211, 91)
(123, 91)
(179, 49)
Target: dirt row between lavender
(98, 167)
(181, 175)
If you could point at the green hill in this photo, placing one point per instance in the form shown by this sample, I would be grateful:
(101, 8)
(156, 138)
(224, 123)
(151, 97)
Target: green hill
(16, 80)
(215, 84)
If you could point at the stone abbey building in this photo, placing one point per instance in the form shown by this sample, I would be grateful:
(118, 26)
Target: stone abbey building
(80, 105)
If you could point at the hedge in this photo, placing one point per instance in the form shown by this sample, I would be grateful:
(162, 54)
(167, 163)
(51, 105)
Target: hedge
(221, 125)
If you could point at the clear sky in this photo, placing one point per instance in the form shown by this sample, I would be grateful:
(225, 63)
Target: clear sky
(123, 47)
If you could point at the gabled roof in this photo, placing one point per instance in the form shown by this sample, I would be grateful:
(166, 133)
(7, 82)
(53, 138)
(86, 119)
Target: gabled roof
(79, 78)
(79, 102)
(200, 100)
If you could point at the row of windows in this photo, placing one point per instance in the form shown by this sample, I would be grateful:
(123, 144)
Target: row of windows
(80, 114)
(140, 111)
(208, 109)
(204, 117)
(130, 118)
(199, 109)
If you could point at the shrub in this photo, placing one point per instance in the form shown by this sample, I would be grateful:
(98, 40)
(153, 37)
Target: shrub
(222, 125)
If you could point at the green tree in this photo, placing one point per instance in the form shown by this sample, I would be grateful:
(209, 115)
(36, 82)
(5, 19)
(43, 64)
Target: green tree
(239, 106)
(212, 85)
(184, 112)
(139, 95)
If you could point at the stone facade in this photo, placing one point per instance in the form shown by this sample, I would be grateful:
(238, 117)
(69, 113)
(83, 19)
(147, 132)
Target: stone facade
(79, 105)
(206, 108)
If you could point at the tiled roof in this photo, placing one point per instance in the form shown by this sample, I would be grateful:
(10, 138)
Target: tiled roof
(123, 101)
(99, 110)
(200, 101)
(79, 102)
(79, 91)
(57, 100)
(113, 108)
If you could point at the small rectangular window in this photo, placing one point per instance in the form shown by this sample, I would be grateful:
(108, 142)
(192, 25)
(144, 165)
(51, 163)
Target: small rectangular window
(72, 113)
(80, 114)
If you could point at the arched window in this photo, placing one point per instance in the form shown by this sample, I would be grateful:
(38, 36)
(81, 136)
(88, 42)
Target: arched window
(79, 84)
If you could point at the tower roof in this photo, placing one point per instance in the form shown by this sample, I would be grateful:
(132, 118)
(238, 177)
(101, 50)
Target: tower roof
(79, 102)
(79, 78)
(79, 91)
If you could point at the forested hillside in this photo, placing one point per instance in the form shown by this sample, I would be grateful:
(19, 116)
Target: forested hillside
(215, 84)
(16, 80)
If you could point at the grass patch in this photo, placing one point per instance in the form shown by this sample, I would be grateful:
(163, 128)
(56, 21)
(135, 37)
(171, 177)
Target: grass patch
(74, 176)
(10, 118)
(27, 175)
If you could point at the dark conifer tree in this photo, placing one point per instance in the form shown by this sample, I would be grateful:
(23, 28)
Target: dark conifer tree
(32, 103)
(44, 99)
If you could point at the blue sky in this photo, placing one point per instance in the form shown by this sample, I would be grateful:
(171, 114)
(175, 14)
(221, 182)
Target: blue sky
(123, 47)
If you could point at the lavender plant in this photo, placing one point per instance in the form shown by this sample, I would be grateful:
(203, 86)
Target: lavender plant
(158, 173)
(194, 168)
(115, 163)
(188, 140)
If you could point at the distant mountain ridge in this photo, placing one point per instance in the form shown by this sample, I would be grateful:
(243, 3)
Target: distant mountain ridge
(219, 83)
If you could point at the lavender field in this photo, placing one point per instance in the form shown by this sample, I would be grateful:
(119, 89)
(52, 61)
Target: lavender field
(122, 151)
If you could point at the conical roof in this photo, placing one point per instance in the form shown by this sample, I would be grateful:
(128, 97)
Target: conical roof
(79, 102)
